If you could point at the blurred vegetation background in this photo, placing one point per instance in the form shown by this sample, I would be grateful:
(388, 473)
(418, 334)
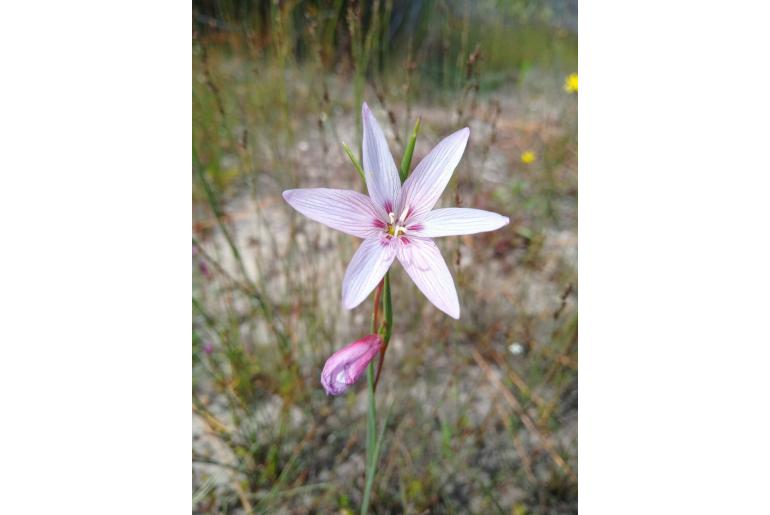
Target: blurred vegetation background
(483, 411)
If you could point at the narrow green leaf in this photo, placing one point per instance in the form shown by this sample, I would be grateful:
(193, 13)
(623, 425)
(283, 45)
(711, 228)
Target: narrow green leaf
(406, 161)
(355, 162)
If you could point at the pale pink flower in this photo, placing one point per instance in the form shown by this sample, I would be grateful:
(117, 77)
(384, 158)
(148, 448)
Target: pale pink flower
(397, 221)
(347, 365)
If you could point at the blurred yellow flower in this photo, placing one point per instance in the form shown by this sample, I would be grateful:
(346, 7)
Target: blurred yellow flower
(570, 83)
(528, 157)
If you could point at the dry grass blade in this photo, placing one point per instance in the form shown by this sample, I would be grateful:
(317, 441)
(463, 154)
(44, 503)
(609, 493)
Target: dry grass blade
(525, 418)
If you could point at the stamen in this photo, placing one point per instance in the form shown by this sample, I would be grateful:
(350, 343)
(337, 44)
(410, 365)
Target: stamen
(396, 229)
(404, 213)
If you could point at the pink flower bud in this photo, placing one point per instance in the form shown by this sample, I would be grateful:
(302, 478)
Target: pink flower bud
(348, 364)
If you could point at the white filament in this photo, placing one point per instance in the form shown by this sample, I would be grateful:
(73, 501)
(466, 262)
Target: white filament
(397, 227)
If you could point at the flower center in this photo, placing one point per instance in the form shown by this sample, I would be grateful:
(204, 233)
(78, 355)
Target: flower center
(397, 227)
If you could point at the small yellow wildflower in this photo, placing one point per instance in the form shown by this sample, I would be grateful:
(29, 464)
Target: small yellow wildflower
(570, 83)
(528, 157)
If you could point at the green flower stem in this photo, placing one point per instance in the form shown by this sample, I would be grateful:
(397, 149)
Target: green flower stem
(372, 443)
(371, 469)
(371, 436)
(386, 329)
(382, 299)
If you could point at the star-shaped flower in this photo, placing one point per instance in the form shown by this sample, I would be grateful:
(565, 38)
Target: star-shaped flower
(397, 221)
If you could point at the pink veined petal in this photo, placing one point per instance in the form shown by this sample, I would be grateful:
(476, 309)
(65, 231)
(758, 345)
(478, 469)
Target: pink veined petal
(344, 210)
(424, 186)
(382, 179)
(422, 260)
(368, 266)
(458, 220)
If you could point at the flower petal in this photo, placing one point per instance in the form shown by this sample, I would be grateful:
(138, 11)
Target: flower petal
(422, 260)
(424, 186)
(458, 220)
(344, 210)
(368, 266)
(382, 179)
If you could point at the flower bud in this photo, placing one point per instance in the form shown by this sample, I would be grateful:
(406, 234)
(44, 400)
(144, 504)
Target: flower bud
(348, 364)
